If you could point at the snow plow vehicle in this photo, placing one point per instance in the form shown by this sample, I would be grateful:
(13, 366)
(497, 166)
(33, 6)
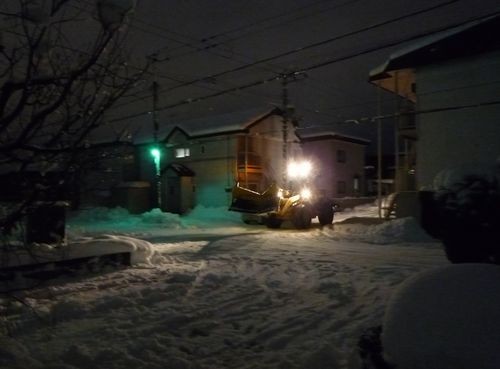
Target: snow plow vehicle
(276, 205)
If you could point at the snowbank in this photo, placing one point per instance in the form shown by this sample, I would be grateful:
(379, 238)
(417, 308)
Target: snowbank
(402, 230)
(451, 176)
(141, 252)
(119, 219)
(202, 215)
(445, 318)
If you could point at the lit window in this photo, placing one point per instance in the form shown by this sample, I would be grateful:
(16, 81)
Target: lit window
(356, 183)
(182, 152)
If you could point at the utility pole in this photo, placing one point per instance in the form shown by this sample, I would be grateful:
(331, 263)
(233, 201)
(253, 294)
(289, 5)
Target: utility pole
(155, 151)
(397, 123)
(379, 152)
(286, 115)
(284, 82)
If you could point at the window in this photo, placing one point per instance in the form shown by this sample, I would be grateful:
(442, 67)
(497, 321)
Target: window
(182, 152)
(341, 187)
(356, 183)
(341, 156)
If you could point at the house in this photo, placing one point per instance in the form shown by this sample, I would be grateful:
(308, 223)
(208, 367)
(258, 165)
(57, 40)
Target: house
(198, 162)
(202, 159)
(340, 160)
(451, 79)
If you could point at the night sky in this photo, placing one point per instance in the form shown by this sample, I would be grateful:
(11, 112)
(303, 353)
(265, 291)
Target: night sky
(226, 55)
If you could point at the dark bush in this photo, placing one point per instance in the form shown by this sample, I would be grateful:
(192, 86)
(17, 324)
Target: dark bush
(469, 220)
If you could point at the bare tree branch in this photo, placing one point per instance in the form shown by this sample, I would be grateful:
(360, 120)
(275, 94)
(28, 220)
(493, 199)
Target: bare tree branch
(55, 89)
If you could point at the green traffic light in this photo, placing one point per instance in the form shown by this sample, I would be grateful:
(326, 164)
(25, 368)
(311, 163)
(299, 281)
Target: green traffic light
(155, 153)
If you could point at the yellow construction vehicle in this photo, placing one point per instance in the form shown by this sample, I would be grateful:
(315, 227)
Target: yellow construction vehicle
(276, 205)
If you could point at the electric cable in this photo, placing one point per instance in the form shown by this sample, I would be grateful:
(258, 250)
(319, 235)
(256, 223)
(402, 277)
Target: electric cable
(309, 68)
(306, 47)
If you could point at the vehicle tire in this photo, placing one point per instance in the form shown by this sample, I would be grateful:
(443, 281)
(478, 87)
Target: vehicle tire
(251, 219)
(302, 217)
(273, 222)
(325, 215)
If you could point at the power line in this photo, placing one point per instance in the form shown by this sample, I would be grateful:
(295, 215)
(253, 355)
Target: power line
(264, 28)
(225, 33)
(306, 47)
(306, 69)
(336, 38)
(408, 113)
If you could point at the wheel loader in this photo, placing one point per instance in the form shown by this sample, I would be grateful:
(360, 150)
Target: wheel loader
(276, 205)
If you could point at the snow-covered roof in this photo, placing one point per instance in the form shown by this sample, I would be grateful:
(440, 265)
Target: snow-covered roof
(210, 125)
(314, 135)
(468, 39)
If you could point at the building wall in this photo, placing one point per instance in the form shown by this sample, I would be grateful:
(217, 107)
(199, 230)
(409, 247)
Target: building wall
(213, 161)
(453, 139)
(334, 178)
(268, 136)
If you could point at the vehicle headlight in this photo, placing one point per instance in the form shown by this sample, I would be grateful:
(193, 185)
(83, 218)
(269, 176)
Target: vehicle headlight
(300, 169)
(306, 193)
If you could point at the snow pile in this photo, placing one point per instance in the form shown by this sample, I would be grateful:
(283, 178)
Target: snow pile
(158, 217)
(202, 215)
(445, 318)
(119, 218)
(402, 230)
(141, 252)
(447, 178)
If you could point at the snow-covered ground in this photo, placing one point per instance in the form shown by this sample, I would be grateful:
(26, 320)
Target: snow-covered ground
(207, 291)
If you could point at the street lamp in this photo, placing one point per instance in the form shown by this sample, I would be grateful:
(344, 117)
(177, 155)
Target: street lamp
(156, 154)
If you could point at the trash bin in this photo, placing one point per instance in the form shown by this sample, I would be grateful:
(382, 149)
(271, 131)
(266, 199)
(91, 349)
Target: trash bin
(46, 222)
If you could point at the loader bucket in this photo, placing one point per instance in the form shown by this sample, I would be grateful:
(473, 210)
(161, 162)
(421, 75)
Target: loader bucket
(248, 201)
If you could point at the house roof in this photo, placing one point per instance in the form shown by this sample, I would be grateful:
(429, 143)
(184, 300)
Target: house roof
(311, 136)
(465, 40)
(210, 125)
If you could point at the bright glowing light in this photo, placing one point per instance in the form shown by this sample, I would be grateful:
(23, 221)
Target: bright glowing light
(306, 193)
(155, 153)
(299, 169)
(280, 193)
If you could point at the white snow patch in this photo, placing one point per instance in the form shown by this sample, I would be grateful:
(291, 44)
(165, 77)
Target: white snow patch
(448, 177)
(215, 293)
(402, 230)
(445, 318)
